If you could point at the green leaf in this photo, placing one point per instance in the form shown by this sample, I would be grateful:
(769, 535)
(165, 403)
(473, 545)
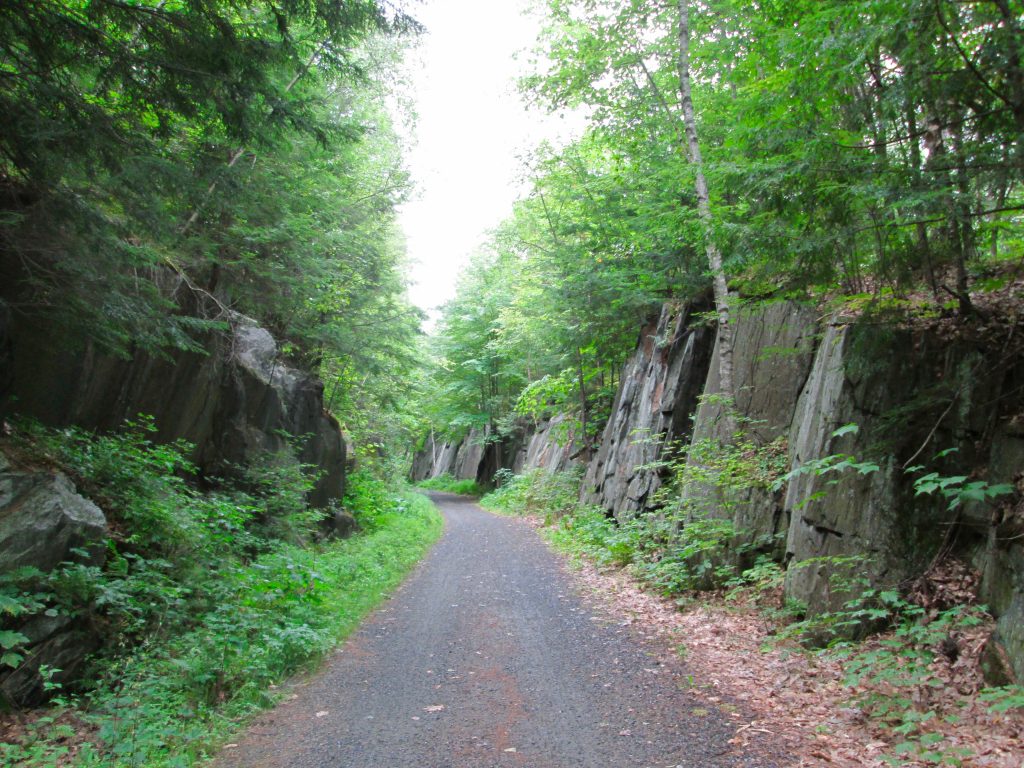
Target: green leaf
(10, 639)
(11, 659)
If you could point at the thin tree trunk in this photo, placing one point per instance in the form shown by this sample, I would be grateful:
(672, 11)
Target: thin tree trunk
(923, 246)
(714, 256)
(583, 403)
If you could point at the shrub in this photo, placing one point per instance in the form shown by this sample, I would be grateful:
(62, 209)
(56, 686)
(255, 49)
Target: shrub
(538, 492)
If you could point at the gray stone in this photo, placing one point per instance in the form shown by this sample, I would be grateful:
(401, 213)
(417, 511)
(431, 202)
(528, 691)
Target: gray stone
(773, 351)
(340, 524)
(912, 393)
(232, 401)
(44, 522)
(64, 654)
(657, 396)
(42, 519)
(477, 456)
(471, 454)
(996, 666)
(551, 446)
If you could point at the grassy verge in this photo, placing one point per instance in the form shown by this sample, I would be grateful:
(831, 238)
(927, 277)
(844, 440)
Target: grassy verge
(171, 702)
(449, 484)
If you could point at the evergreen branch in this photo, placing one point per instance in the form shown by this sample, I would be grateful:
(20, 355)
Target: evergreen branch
(967, 59)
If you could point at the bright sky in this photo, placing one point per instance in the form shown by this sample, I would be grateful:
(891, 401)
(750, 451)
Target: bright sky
(472, 127)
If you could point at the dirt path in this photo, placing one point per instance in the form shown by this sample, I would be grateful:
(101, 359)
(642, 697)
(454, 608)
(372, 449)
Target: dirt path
(488, 657)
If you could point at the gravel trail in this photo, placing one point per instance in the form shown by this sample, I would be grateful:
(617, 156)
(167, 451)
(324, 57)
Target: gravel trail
(488, 657)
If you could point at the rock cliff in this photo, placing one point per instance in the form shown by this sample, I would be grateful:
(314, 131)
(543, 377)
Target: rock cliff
(234, 402)
(657, 397)
(548, 444)
(913, 391)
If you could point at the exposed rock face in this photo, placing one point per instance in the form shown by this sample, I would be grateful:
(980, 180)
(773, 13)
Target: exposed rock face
(911, 393)
(551, 446)
(435, 459)
(657, 396)
(474, 457)
(548, 445)
(773, 351)
(233, 403)
(43, 523)
(469, 463)
(899, 387)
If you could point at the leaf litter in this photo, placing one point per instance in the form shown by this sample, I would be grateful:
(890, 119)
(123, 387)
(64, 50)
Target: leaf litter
(797, 698)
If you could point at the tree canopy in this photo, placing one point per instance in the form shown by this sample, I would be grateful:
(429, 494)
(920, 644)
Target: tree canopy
(849, 147)
(166, 163)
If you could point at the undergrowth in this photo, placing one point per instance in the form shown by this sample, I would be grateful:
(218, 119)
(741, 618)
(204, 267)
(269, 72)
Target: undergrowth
(537, 492)
(450, 484)
(207, 599)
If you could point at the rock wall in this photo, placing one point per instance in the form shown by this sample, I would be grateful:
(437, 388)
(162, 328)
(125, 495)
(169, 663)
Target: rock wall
(772, 356)
(912, 393)
(657, 396)
(436, 458)
(234, 403)
(548, 445)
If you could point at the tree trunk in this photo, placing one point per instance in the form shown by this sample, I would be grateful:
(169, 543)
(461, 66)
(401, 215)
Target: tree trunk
(583, 404)
(721, 286)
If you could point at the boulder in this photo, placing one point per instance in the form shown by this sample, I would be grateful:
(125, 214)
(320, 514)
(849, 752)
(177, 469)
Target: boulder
(63, 653)
(43, 519)
(43, 523)
(340, 524)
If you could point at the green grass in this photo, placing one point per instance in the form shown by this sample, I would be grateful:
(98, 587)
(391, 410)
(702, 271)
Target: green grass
(172, 703)
(449, 484)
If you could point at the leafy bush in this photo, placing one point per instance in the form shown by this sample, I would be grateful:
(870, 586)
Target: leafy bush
(538, 492)
(592, 533)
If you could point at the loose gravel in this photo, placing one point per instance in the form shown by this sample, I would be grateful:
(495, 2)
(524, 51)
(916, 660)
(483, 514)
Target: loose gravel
(488, 657)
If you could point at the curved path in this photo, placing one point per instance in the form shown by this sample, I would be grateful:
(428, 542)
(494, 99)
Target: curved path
(487, 657)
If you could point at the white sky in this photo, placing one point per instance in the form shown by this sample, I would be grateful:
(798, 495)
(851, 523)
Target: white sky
(471, 129)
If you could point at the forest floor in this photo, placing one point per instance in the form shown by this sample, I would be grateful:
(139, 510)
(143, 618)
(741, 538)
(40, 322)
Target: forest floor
(797, 700)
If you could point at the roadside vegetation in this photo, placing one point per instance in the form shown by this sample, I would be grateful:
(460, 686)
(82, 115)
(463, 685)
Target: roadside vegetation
(449, 484)
(907, 659)
(208, 600)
